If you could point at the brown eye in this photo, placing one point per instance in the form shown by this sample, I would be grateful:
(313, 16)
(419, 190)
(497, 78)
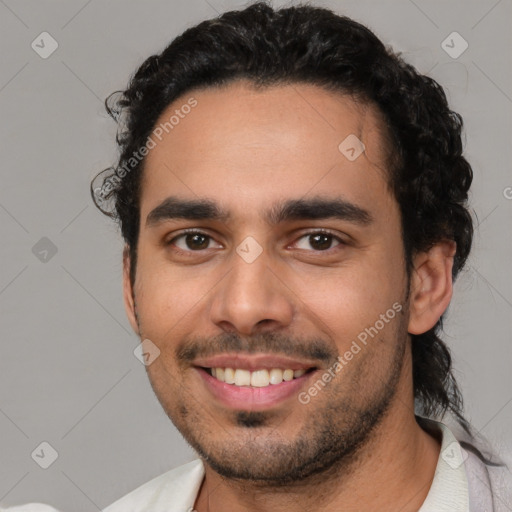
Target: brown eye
(191, 241)
(196, 241)
(318, 241)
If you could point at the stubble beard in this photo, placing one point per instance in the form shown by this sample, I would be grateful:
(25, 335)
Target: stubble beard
(328, 444)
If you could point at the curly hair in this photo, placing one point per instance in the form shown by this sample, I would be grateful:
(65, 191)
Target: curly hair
(428, 175)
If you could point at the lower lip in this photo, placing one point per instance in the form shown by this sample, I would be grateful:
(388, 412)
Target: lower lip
(254, 399)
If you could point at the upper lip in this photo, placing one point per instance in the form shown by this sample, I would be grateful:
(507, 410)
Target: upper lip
(253, 362)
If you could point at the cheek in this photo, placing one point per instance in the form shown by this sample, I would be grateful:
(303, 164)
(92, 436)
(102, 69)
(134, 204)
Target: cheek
(350, 299)
(165, 299)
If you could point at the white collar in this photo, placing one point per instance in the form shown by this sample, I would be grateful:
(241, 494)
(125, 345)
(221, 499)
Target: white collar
(449, 489)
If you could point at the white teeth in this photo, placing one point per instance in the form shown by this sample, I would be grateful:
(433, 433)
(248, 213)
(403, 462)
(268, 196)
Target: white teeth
(260, 379)
(287, 375)
(229, 376)
(257, 378)
(242, 378)
(276, 376)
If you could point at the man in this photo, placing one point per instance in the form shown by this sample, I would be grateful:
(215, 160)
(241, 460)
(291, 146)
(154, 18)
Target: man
(293, 198)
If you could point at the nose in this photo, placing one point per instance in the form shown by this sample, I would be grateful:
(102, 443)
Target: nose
(252, 298)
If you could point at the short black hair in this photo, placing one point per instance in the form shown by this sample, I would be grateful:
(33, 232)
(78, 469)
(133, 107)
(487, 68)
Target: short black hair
(428, 175)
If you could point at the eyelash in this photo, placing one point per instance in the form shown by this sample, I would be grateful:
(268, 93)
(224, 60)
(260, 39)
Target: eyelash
(304, 235)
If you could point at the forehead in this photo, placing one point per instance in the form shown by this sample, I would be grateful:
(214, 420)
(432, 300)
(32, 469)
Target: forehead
(243, 146)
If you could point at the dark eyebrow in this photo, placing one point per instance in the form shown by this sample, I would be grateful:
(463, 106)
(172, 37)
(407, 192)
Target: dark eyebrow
(192, 209)
(316, 208)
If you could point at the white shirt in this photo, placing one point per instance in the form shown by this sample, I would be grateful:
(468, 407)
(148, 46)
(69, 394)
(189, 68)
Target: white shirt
(176, 490)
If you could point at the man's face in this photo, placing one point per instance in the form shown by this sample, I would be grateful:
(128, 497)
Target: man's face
(269, 290)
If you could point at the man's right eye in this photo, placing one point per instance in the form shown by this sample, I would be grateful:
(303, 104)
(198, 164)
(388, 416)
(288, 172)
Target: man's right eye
(191, 240)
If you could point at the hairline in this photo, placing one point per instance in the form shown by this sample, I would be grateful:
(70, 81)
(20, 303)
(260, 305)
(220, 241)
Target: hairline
(391, 161)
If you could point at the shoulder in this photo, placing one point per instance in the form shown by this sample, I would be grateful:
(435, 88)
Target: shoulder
(487, 469)
(173, 491)
(488, 479)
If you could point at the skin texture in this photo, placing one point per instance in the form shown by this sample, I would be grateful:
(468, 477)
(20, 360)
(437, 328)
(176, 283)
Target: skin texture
(247, 150)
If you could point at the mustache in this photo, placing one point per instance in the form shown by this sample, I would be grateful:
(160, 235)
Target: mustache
(269, 343)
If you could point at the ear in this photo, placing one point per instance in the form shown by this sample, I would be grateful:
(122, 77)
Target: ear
(128, 296)
(431, 286)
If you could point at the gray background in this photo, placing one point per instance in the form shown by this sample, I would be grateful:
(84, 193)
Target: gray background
(68, 373)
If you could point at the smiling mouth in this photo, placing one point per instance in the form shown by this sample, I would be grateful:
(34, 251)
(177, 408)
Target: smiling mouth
(258, 378)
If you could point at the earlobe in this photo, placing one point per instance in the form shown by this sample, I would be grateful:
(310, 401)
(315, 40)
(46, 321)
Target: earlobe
(431, 286)
(128, 295)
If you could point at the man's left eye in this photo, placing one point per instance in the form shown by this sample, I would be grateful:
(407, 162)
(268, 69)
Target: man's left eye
(319, 241)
